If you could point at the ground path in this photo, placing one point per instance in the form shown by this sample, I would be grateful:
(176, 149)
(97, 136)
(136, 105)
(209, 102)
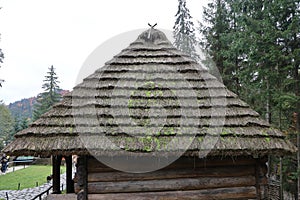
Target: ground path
(14, 168)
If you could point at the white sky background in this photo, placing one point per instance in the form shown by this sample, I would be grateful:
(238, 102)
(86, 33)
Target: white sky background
(36, 34)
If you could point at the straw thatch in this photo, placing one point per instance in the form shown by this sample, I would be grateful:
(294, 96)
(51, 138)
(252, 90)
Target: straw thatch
(150, 98)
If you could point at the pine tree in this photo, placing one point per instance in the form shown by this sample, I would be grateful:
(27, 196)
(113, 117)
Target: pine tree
(246, 41)
(288, 20)
(21, 123)
(214, 29)
(1, 61)
(24, 123)
(17, 127)
(1, 55)
(6, 126)
(184, 31)
(257, 44)
(49, 97)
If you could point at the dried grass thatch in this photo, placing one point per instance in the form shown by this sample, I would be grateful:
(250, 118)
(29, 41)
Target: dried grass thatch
(150, 99)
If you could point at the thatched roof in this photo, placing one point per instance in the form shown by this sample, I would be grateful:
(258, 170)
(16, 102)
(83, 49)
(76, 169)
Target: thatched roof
(151, 98)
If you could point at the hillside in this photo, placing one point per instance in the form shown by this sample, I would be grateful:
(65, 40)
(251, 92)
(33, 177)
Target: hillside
(24, 108)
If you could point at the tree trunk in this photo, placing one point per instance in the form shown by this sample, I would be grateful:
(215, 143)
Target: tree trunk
(297, 123)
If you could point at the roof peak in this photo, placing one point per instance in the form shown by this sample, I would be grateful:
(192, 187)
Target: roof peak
(154, 36)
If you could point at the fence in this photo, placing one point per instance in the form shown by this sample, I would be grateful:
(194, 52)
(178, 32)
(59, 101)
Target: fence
(274, 190)
(39, 196)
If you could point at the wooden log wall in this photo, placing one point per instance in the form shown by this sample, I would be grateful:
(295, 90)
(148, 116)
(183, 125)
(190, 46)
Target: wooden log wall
(80, 179)
(187, 178)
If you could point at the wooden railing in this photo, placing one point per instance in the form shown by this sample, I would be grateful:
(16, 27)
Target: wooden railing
(39, 196)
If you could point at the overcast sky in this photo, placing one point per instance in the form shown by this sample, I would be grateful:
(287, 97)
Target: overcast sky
(36, 34)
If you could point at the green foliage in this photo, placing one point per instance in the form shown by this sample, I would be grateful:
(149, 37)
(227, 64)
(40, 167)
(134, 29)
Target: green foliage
(1, 54)
(184, 31)
(255, 45)
(24, 123)
(1, 61)
(49, 97)
(6, 126)
(290, 174)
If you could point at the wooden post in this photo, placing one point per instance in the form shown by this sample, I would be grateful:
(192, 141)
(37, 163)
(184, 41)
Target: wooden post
(281, 180)
(69, 180)
(56, 162)
(82, 177)
(257, 185)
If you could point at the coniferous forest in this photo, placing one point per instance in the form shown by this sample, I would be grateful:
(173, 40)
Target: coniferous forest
(254, 46)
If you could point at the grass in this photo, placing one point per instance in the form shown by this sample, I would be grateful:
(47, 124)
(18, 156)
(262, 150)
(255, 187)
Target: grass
(27, 177)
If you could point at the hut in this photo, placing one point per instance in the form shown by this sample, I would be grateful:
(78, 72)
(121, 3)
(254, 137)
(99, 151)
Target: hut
(154, 124)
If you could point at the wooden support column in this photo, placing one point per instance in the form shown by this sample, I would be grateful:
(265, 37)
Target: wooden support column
(261, 170)
(56, 162)
(257, 177)
(82, 178)
(69, 180)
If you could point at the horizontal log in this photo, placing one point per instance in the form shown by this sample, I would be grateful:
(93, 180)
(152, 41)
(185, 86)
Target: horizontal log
(94, 165)
(193, 162)
(240, 193)
(170, 184)
(234, 171)
(183, 162)
(100, 169)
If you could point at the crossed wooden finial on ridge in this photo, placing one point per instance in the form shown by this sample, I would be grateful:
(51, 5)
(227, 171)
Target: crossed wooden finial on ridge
(152, 26)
